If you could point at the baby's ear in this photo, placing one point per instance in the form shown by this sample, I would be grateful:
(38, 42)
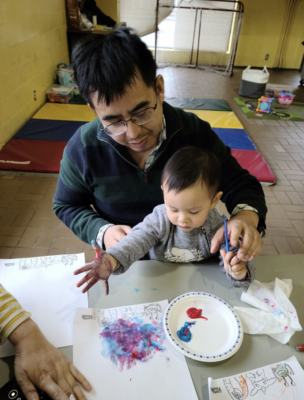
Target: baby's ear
(216, 199)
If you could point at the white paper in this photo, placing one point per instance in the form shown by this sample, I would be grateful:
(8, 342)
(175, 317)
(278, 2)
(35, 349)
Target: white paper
(46, 287)
(164, 375)
(274, 314)
(279, 381)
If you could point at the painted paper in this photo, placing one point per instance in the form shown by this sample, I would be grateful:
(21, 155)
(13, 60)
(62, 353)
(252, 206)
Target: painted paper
(46, 287)
(125, 350)
(279, 381)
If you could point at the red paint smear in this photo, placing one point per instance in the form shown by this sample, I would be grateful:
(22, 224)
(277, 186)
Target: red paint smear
(128, 342)
(194, 313)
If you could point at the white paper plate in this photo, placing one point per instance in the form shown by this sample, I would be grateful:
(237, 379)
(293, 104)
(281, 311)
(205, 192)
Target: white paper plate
(213, 340)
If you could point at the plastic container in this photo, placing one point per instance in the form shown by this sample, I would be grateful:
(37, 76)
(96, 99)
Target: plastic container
(65, 75)
(273, 90)
(253, 82)
(60, 94)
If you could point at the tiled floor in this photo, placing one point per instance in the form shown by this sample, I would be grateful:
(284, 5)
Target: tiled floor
(28, 226)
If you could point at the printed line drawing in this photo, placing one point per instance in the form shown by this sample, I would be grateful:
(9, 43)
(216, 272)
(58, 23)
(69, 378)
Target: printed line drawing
(106, 317)
(153, 311)
(259, 382)
(38, 262)
(282, 371)
(128, 313)
(253, 382)
(237, 393)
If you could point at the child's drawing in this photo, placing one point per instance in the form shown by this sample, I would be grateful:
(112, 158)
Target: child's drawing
(106, 317)
(238, 392)
(126, 336)
(153, 311)
(259, 381)
(128, 342)
(129, 358)
(38, 262)
(282, 381)
(282, 371)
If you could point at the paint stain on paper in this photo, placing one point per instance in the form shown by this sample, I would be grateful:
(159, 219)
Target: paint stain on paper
(127, 343)
(136, 290)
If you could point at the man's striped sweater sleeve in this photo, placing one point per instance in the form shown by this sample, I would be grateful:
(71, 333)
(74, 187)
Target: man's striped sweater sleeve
(11, 314)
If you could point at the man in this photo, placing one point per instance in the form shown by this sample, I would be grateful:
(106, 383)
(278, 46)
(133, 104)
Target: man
(37, 363)
(114, 163)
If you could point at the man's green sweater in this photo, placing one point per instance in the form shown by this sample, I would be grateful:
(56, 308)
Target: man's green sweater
(99, 182)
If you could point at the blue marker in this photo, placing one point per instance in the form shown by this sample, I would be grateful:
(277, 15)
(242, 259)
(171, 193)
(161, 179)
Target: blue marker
(227, 244)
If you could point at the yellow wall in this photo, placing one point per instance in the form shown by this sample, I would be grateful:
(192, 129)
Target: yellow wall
(108, 7)
(32, 42)
(294, 48)
(261, 31)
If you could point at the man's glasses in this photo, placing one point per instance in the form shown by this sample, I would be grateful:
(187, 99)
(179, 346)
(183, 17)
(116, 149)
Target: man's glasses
(120, 127)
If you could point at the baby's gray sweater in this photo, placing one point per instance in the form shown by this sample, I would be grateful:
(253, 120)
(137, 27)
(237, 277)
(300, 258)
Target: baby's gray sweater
(167, 242)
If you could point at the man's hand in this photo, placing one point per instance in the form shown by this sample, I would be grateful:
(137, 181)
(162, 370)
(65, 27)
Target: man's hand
(115, 234)
(98, 270)
(40, 364)
(238, 269)
(243, 224)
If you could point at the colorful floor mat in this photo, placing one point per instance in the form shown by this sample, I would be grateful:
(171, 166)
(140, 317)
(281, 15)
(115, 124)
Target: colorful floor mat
(39, 144)
(294, 112)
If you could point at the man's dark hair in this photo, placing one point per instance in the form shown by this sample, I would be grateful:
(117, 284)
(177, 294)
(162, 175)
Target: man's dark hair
(190, 166)
(108, 64)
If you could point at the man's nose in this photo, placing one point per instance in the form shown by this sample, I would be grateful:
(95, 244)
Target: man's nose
(133, 130)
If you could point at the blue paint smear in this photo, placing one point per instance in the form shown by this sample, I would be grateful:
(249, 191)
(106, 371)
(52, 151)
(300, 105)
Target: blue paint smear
(184, 333)
(136, 290)
(127, 343)
(153, 288)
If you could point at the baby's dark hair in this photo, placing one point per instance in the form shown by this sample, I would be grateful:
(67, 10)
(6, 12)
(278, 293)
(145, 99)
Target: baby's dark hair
(189, 166)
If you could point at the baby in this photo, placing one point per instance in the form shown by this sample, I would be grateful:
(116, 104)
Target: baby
(178, 231)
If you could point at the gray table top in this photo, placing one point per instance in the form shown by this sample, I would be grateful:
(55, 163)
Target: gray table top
(149, 281)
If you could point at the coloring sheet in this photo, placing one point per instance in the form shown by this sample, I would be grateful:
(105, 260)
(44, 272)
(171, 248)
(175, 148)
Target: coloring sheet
(279, 381)
(46, 287)
(124, 353)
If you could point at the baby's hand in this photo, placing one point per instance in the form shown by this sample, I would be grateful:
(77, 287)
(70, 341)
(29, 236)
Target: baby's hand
(238, 269)
(100, 269)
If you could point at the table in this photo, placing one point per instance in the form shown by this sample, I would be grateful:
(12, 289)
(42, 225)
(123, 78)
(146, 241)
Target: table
(170, 280)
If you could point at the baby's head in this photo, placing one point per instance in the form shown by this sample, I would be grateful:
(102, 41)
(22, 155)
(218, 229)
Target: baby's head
(190, 182)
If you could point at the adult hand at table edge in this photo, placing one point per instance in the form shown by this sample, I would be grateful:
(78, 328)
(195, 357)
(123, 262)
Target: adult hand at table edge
(115, 234)
(243, 224)
(39, 364)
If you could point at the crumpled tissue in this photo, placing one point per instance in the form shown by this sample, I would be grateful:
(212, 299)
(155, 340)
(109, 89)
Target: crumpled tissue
(276, 316)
